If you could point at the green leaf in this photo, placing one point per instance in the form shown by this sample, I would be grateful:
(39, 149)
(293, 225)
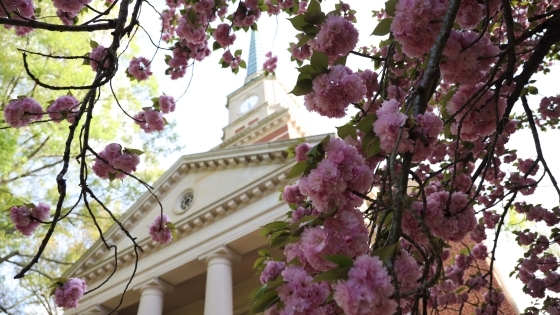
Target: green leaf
(374, 147)
(532, 90)
(390, 7)
(242, 64)
(170, 225)
(340, 61)
(276, 225)
(298, 22)
(333, 274)
(264, 253)
(340, 260)
(309, 69)
(346, 130)
(133, 151)
(59, 280)
(238, 52)
(93, 44)
(259, 261)
(298, 169)
(303, 87)
(266, 300)
(112, 176)
(216, 46)
(191, 15)
(314, 14)
(319, 60)
(384, 252)
(303, 40)
(383, 28)
(366, 124)
(310, 30)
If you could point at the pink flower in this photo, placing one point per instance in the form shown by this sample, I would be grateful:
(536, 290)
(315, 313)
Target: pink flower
(271, 271)
(97, 55)
(25, 8)
(139, 68)
(479, 252)
(334, 91)
(20, 112)
(221, 35)
(26, 220)
(299, 294)
(64, 107)
(167, 104)
(301, 151)
(367, 289)
(67, 18)
(270, 63)
(387, 126)
(159, 231)
(150, 120)
(118, 162)
(336, 38)
(68, 294)
(73, 6)
(550, 107)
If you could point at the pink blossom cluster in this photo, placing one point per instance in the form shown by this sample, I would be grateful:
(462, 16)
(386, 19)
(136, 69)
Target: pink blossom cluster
(550, 107)
(150, 120)
(538, 213)
(20, 112)
(64, 107)
(98, 54)
(468, 57)
(27, 218)
(387, 127)
(72, 6)
(449, 216)
(334, 91)
(428, 126)
(139, 68)
(299, 294)
(159, 231)
(345, 233)
(68, 294)
(18, 10)
(67, 18)
(336, 38)
(168, 23)
(222, 35)
(416, 24)
(270, 63)
(474, 118)
(182, 53)
(233, 61)
(301, 151)
(167, 104)
(247, 13)
(343, 170)
(271, 271)
(300, 53)
(367, 289)
(119, 162)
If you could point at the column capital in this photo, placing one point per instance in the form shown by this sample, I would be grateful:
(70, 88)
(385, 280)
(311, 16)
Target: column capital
(220, 251)
(154, 283)
(98, 309)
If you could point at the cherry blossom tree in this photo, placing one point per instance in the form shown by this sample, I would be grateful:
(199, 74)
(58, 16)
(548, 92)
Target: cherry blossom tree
(423, 167)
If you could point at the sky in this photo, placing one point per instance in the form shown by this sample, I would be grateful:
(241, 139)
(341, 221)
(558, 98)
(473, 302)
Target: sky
(201, 113)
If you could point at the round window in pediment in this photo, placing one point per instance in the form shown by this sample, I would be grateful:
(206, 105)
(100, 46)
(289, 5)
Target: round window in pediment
(185, 202)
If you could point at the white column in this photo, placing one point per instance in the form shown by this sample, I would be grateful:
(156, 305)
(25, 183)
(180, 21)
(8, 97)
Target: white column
(219, 290)
(152, 292)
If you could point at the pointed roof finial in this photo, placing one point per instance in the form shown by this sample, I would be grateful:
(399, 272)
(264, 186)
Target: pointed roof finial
(256, 57)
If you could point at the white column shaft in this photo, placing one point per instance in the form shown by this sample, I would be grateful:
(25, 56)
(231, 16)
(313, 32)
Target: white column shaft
(219, 291)
(151, 301)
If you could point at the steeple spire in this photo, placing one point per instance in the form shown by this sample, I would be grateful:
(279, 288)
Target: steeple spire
(256, 57)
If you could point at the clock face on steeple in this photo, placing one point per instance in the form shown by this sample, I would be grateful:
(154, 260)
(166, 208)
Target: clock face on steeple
(248, 104)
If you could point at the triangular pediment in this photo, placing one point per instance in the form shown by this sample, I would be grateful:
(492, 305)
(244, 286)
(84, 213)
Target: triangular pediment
(221, 182)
